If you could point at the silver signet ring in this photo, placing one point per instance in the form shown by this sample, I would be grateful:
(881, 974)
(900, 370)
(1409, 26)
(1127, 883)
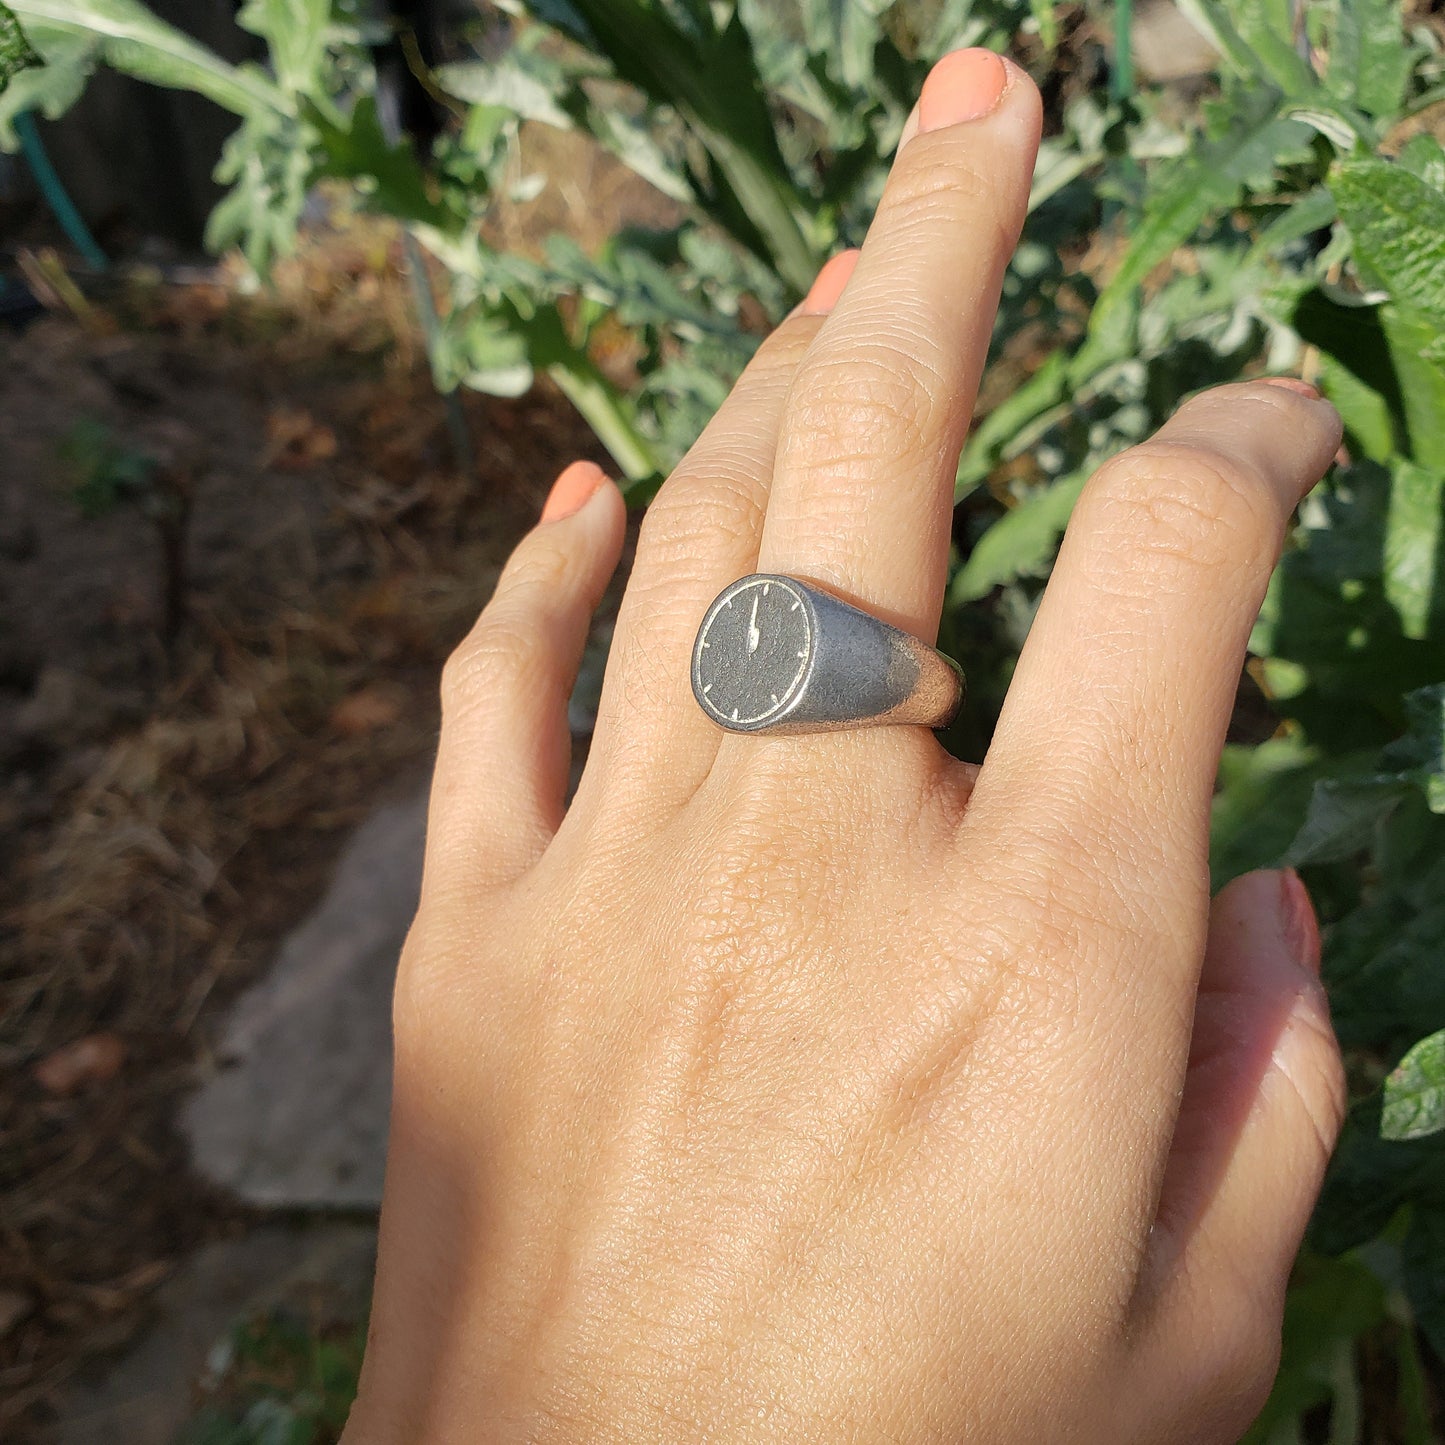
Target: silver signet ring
(775, 654)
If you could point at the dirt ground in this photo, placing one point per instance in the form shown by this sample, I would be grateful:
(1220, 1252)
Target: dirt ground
(166, 810)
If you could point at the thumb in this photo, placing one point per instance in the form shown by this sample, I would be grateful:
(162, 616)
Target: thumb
(1263, 1100)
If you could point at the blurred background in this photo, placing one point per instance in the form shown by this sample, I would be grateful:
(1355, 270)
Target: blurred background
(304, 303)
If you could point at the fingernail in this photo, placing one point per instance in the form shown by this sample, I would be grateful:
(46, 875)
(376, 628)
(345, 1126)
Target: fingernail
(1298, 922)
(910, 129)
(964, 85)
(572, 490)
(828, 287)
(1295, 384)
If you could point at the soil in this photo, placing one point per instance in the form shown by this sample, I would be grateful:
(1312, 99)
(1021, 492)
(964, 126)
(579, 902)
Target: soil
(169, 807)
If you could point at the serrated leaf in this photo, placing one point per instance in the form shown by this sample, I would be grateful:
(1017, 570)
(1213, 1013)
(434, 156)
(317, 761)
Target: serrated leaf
(1397, 223)
(132, 39)
(481, 348)
(387, 174)
(1342, 818)
(1423, 156)
(1021, 542)
(268, 162)
(1209, 181)
(52, 88)
(1417, 353)
(529, 90)
(1420, 754)
(295, 33)
(1261, 795)
(1369, 58)
(706, 71)
(1327, 619)
(1382, 965)
(1414, 1105)
(1414, 544)
(16, 52)
(1256, 37)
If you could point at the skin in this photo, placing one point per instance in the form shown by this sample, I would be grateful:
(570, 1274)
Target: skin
(825, 1087)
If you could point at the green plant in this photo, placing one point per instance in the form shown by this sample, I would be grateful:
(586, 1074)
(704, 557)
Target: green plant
(1296, 218)
(279, 1382)
(108, 475)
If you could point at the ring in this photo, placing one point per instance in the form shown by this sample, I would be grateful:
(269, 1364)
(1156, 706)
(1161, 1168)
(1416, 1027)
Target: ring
(775, 654)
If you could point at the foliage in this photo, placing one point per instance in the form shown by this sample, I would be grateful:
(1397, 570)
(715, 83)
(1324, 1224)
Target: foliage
(1295, 221)
(280, 1382)
(1415, 1093)
(108, 475)
(16, 53)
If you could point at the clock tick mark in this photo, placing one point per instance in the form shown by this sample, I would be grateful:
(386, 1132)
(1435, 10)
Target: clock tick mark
(707, 689)
(795, 606)
(735, 714)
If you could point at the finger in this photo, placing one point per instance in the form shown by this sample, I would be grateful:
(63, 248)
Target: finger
(505, 749)
(700, 533)
(1102, 766)
(1263, 1102)
(1264, 1094)
(863, 487)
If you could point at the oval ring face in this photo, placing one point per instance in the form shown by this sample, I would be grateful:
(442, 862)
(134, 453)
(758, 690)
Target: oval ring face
(752, 652)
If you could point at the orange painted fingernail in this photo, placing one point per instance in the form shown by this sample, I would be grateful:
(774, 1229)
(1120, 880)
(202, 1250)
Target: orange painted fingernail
(1295, 384)
(964, 85)
(1298, 922)
(572, 490)
(828, 287)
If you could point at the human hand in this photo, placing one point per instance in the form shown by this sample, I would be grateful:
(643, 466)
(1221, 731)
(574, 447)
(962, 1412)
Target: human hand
(825, 1087)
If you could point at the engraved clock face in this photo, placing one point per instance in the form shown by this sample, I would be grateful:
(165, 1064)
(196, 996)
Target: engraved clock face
(752, 652)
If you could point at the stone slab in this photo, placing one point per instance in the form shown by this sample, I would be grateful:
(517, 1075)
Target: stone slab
(295, 1114)
(144, 1395)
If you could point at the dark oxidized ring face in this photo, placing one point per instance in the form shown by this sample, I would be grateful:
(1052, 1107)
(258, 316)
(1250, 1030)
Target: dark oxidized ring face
(752, 652)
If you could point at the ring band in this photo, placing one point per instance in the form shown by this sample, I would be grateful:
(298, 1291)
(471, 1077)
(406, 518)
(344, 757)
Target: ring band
(776, 654)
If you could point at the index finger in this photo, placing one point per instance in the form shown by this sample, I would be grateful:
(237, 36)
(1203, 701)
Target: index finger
(1098, 781)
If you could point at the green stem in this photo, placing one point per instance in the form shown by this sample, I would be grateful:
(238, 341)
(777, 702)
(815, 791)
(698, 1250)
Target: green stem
(602, 410)
(1121, 82)
(463, 453)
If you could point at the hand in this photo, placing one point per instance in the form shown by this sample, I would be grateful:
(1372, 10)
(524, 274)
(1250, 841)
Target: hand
(824, 1087)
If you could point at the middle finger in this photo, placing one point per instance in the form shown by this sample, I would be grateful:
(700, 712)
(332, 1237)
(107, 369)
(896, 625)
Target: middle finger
(862, 492)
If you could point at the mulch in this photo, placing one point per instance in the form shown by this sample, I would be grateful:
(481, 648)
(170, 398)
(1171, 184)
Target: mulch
(168, 810)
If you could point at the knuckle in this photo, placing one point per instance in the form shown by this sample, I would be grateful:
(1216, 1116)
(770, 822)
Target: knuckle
(537, 567)
(713, 498)
(423, 982)
(877, 402)
(508, 643)
(1187, 506)
(499, 654)
(923, 194)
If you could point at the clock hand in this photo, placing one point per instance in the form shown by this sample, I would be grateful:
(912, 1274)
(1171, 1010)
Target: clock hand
(754, 636)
